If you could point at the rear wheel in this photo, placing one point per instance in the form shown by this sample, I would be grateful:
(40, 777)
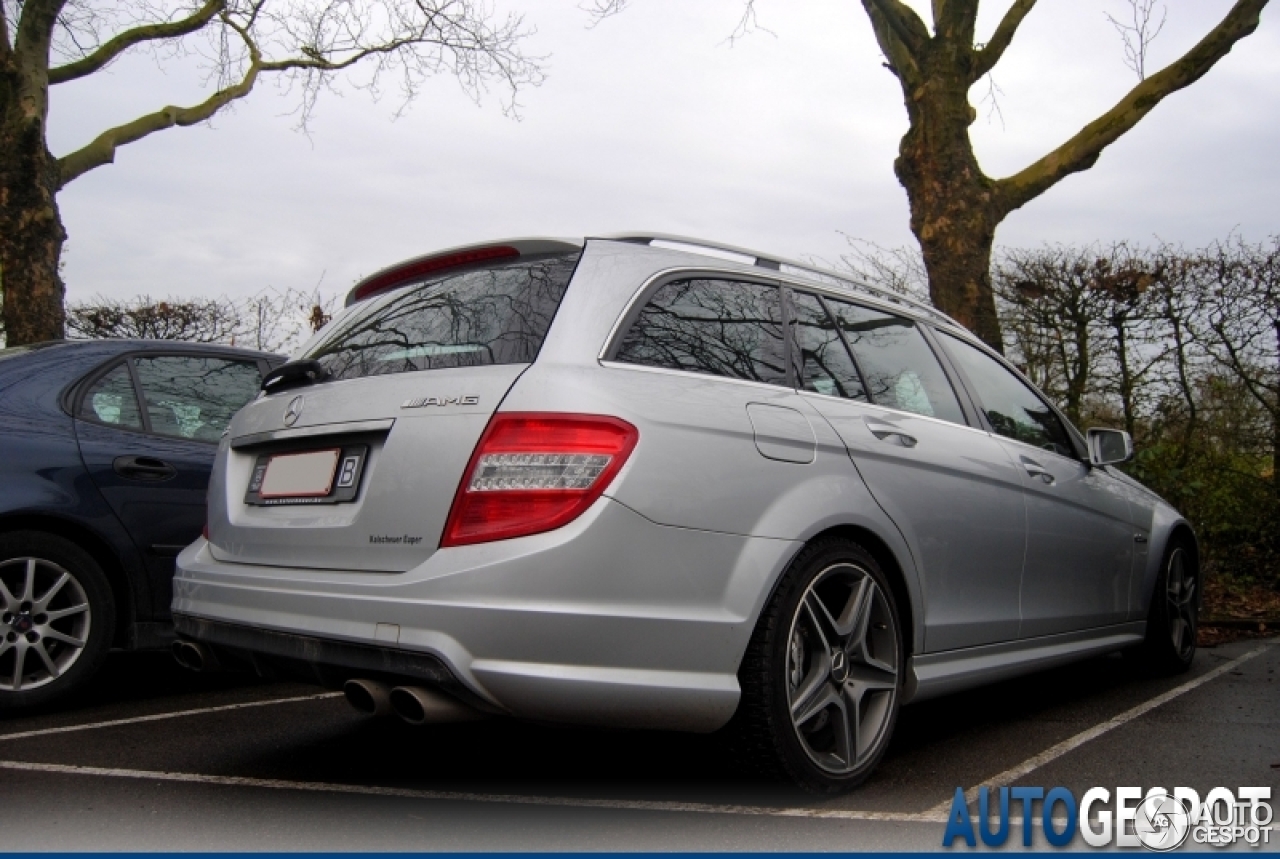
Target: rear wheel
(822, 677)
(1173, 618)
(57, 617)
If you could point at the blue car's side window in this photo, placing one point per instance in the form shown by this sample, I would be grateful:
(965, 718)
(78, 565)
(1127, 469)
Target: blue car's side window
(113, 401)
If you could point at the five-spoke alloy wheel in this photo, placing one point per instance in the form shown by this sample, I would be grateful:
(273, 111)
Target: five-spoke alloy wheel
(822, 676)
(842, 668)
(1172, 621)
(55, 618)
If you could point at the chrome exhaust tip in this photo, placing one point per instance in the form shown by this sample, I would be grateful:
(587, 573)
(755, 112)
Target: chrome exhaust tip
(419, 706)
(368, 696)
(194, 656)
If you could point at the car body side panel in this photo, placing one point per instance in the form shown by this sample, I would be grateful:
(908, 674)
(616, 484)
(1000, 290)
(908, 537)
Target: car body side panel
(43, 477)
(1079, 544)
(1165, 520)
(161, 516)
(959, 505)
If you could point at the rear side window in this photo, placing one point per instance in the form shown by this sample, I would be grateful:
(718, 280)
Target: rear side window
(111, 401)
(194, 397)
(899, 368)
(498, 314)
(719, 327)
(825, 366)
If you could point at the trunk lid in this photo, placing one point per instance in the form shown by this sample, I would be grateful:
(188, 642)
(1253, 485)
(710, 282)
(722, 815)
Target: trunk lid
(413, 376)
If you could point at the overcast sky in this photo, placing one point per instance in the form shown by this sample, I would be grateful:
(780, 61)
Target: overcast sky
(783, 142)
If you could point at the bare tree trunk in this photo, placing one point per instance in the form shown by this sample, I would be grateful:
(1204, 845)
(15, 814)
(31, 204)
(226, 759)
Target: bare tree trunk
(954, 208)
(31, 237)
(31, 233)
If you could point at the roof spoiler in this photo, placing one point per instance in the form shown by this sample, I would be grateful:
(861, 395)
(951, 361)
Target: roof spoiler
(459, 257)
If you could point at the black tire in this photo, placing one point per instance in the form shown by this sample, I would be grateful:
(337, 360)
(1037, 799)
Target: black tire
(1173, 615)
(40, 620)
(785, 663)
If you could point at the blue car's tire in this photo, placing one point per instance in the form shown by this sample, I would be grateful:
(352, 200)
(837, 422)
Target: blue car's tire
(57, 618)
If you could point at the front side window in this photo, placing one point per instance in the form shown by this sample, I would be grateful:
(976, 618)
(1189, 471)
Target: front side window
(900, 370)
(195, 397)
(112, 401)
(704, 325)
(498, 314)
(1013, 409)
(825, 365)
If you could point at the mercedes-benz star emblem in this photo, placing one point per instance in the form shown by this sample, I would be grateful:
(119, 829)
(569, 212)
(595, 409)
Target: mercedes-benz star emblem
(839, 666)
(294, 412)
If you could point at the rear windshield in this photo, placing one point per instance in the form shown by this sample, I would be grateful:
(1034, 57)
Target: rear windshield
(498, 314)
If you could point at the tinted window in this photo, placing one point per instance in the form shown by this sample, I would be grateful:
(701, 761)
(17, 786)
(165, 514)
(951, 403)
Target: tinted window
(112, 400)
(899, 368)
(493, 315)
(722, 327)
(191, 397)
(825, 365)
(1013, 409)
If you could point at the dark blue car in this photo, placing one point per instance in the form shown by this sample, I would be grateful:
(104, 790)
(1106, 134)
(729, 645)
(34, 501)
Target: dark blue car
(105, 452)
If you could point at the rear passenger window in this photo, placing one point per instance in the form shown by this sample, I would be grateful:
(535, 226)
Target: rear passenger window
(719, 327)
(112, 401)
(899, 368)
(195, 397)
(825, 365)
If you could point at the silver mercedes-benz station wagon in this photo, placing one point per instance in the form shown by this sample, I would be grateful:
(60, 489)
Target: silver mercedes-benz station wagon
(648, 481)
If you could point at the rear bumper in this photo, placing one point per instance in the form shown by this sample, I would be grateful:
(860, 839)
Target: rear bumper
(611, 620)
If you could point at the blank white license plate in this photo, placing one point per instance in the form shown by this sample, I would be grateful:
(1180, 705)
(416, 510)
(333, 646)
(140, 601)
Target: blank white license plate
(300, 475)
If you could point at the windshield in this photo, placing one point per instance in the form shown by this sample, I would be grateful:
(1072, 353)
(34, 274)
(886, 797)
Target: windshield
(498, 314)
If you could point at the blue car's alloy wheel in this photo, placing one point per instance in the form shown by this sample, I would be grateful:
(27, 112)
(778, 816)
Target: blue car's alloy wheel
(56, 618)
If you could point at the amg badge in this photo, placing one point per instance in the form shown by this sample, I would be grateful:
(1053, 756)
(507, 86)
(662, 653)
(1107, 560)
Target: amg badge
(424, 402)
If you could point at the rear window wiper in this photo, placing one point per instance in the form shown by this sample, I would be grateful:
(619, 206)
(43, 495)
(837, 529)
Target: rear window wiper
(293, 374)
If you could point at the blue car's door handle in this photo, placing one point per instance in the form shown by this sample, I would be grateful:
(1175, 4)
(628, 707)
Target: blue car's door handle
(142, 468)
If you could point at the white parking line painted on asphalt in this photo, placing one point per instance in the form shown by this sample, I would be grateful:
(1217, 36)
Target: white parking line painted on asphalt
(459, 796)
(157, 717)
(1071, 743)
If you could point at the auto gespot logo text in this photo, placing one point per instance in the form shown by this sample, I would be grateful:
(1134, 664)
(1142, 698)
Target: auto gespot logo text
(1159, 819)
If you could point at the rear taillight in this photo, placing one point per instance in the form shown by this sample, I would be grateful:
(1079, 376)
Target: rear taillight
(533, 472)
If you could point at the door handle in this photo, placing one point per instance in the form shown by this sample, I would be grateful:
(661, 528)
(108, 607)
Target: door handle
(890, 434)
(1035, 469)
(143, 468)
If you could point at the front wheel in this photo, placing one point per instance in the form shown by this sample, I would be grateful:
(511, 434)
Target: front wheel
(57, 617)
(1172, 620)
(823, 673)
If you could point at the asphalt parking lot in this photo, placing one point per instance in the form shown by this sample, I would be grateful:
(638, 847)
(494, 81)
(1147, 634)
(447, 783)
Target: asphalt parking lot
(160, 758)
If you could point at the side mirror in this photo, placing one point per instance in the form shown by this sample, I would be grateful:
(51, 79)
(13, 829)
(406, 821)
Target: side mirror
(1109, 446)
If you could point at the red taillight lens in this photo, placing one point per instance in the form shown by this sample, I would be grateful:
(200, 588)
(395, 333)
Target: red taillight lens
(534, 472)
(204, 532)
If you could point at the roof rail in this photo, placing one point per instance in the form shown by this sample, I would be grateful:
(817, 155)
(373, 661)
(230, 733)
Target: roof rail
(744, 256)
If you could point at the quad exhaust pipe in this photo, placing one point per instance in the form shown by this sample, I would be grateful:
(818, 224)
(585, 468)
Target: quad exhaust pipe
(195, 656)
(419, 706)
(415, 704)
(368, 696)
